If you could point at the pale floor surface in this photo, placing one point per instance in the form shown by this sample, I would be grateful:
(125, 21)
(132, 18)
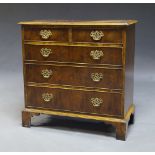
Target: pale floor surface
(60, 134)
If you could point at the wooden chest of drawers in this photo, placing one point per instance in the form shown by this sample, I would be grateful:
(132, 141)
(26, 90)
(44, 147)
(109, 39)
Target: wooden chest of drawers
(81, 69)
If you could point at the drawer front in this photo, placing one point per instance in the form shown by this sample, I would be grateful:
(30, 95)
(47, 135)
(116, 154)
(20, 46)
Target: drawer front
(100, 103)
(46, 34)
(74, 54)
(97, 35)
(77, 76)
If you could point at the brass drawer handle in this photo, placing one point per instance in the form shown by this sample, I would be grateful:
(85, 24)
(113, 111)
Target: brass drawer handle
(45, 34)
(96, 35)
(45, 52)
(47, 97)
(46, 73)
(96, 54)
(96, 102)
(96, 77)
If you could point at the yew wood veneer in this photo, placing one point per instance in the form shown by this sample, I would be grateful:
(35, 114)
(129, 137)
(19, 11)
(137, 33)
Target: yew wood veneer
(80, 69)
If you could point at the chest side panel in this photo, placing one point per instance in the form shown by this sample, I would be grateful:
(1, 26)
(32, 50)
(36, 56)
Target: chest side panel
(129, 67)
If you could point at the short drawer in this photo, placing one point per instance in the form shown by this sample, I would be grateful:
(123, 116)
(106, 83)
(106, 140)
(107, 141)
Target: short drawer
(45, 34)
(74, 75)
(97, 35)
(74, 54)
(92, 102)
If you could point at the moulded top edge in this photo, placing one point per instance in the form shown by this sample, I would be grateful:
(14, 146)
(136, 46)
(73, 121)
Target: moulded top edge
(80, 23)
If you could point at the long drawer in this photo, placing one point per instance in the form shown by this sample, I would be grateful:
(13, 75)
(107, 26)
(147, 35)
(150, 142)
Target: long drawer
(74, 75)
(99, 103)
(74, 54)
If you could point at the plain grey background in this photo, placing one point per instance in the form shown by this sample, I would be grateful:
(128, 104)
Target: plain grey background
(60, 134)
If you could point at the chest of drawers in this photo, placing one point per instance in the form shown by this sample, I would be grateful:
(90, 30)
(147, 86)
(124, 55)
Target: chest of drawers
(80, 69)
